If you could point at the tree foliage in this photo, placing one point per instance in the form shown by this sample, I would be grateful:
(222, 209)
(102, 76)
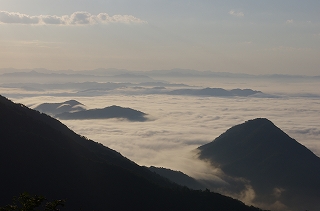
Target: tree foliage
(27, 202)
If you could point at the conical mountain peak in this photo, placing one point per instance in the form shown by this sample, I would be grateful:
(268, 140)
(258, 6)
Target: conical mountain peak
(254, 132)
(263, 154)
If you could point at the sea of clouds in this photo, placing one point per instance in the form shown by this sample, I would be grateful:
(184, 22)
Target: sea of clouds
(178, 125)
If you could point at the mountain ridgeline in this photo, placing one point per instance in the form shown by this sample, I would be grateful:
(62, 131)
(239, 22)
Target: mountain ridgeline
(40, 155)
(217, 92)
(279, 169)
(105, 113)
(178, 177)
(73, 109)
(58, 108)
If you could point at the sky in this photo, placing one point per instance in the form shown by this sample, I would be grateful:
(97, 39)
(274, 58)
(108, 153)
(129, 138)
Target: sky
(243, 36)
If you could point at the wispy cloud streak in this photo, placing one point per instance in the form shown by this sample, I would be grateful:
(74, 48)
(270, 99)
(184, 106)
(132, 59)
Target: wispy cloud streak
(77, 18)
(237, 14)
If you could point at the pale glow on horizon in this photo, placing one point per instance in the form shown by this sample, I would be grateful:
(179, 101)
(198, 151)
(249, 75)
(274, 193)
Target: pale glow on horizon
(241, 37)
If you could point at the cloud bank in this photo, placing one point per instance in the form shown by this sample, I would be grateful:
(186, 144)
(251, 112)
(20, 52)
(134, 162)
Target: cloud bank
(183, 123)
(77, 18)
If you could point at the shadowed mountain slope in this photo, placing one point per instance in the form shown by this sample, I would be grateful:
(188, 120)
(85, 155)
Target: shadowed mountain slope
(277, 166)
(177, 177)
(105, 113)
(40, 155)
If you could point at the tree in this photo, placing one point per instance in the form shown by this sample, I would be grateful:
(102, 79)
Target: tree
(27, 202)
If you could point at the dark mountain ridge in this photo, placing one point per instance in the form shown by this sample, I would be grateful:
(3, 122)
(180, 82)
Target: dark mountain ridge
(105, 113)
(260, 152)
(177, 177)
(73, 109)
(40, 155)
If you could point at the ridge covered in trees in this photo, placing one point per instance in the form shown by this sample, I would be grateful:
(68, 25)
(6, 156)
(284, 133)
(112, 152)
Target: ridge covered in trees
(40, 155)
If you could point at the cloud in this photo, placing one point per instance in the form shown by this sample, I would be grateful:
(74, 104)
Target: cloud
(182, 123)
(53, 19)
(179, 129)
(237, 14)
(277, 192)
(15, 17)
(77, 18)
(289, 21)
(307, 131)
(105, 18)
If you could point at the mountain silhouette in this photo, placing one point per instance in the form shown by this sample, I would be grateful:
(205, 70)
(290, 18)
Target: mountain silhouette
(244, 92)
(58, 108)
(40, 155)
(105, 113)
(278, 167)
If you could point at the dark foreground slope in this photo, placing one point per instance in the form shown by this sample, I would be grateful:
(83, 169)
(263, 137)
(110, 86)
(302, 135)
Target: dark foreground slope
(40, 155)
(178, 177)
(279, 168)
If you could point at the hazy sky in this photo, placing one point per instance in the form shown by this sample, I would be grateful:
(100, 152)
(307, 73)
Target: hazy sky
(250, 36)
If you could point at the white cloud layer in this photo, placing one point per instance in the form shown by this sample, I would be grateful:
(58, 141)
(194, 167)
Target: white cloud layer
(77, 18)
(237, 14)
(183, 123)
(179, 129)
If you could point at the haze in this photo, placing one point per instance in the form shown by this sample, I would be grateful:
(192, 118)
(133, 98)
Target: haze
(180, 124)
(257, 37)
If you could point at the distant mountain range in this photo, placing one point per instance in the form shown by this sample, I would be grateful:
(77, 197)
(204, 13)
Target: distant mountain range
(100, 82)
(218, 92)
(40, 155)
(86, 86)
(280, 170)
(144, 75)
(97, 89)
(73, 109)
